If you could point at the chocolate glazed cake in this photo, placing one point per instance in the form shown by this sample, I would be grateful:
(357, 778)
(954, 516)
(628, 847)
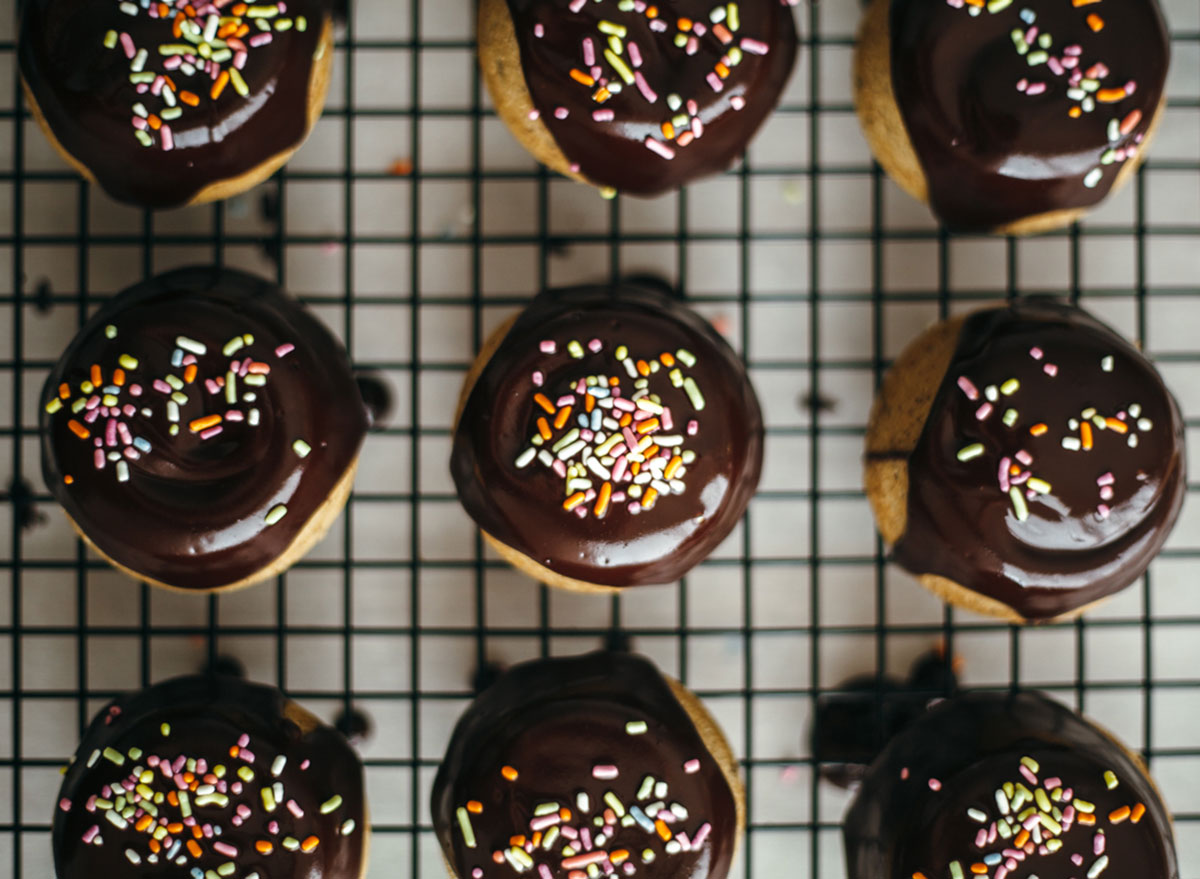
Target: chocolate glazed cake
(644, 97)
(612, 437)
(212, 777)
(1001, 786)
(590, 765)
(159, 101)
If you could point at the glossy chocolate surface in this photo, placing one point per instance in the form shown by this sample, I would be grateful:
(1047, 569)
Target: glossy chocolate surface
(192, 509)
(911, 816)
(711, 85)
(598, 726)
(521, 499)
(1093, 517)
(283, 802)
(84, 89)
(989, 115)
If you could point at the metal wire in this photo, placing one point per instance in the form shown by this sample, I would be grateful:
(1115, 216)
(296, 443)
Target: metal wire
(787, 645)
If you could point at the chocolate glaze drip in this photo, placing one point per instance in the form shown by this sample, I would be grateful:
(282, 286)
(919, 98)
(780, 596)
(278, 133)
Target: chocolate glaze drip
(523, 506)
(969, 747)
(84, 91)
(614, 152)
(206, 717)
(993, 154)
(554, 721)
(193, 511)
(963, 525)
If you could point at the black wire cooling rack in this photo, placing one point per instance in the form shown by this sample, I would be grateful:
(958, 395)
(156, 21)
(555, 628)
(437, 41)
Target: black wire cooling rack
(413, 224)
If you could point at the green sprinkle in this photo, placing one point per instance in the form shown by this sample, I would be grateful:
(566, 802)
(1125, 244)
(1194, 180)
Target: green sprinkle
(347, 827)
(1043, 801)
(646, 789)
(191, 346)
(301, 448)
(967, 453)
(693, 392)
(165, 729)
(110, 332)
(233, 346)
(956, 870)
(620, 66)
(1018, 500)
(622, 352)
(1041, 486)
(1084, 806)
(268, 799)
(127, 361)
(54, 405)
(575, 349)
(464, 822)
(636, 727)
(1031, 764)
(185, 804)
(276, 513)
(246, 774)
(331, 804)
(615, 30)
(227, 869)
(998, 5)
(239, 84)
(114, 756)
(1098, 867)
(1010, 417)
(110, 40)
(1010, 387)
(686, 357)
(1110, 779)
(617, 806)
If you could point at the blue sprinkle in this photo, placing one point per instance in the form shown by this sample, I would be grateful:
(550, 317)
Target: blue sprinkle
(1028, 16)
(177, 358)
(142, 444)
(640, 817)
(993, 859)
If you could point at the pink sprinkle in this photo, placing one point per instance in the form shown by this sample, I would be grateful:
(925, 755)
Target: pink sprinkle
(1106, 493)
(285, 349)
(234, 415)
(1055, 66)
(1103, 510)
(618, 471)
(644, 87)
(668, 423)
(93, 402)
(226, 849)
(1036, 88)
(981, 838)
(1074, 49)
(539, 30)
(693, 427)
(691, 767)
(477, 873)
(603, 115)
(1024, 457)
(715, 82)
(1001, 872)
(1005, 463)
(211, 432)
(91, 834)
(140, 124)
(1052, 783)
(605, 772)
(168, 139)
(91, 417)
(657, 146)
(737, 102)
(635, 55)
(1077, 859)
(701, 835)
(935, 785)
(135, 390)
(295, 809)
(538, 378)
(1098, 843)
(566, 400)
(98, 459)
(534, 115)
(755, 47)
(589, 52)
(983, 411)
(127, 45)
(1106, 479)
(560, 468)
(548, 347)
(968, 387)
(64, 804)
(543, 871)
(110, 433)
(243, 740)
(561, 113)
(1026, 771)
(126, 436)
(1050, 369)
(129, 410)
(245, 754)
(161, 386)
(904, 774)
(260, 40)
(240, 59)
(273, 828)
(546, 820)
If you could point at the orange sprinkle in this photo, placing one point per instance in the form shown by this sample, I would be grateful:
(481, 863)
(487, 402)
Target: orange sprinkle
(195, 427)
(189, 374)
(518, 841)
(649, 498)
(1110, 96)
(264, 847)
(648, 425)
(667, 358)
(227, 29)
(651, 452)
(1038, 429)
(581, 77)
(194, 848)
(154, 122)
(643, 367)
(564, 814)
(722, 70)
(310, 845)
(544, 401)
(1078, 3)
(64, 390)
(239, 9)
(601, 95)
(1075, 112)
(1095, 22)
(569, 504)
(672, 466)
(589, 403)
(475, 807)
(1014, 470)
(173, 799)
(78, 429)
(1085, 434)
(561, 418)
(177, 28)
(613, 382)
(1086, 818)
(143, 822)
(626, 420)
(602, 500)
(537, 839)
(1022, 838)
(660, 825)
(544, 428)
(164, 11)
(1138, 811)
(722, 33)
(189, 98)
(1117, 424)
(68, 479)
(498, 856)
(1120, 815)
(652, 12)
(979, 869)
(243, 30)
(219, 85)
(619, 856)
(509, 773)
(668, 131)
(154, 845)
(634, 467)
(685, 24)
(97, 375)
(119, 377)
(234, 750)
(919, 875)
(175, 826)
(190, 10)
(1131, 121)
(978, 3)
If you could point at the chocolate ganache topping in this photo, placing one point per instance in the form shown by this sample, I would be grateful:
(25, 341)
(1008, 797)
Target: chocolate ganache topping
(1020, 108)
(564, 765)
(1051, 467)
(196, 423)
(161, 99)
(992, 785)
(213, 777)
(644, 97)
(613, 437)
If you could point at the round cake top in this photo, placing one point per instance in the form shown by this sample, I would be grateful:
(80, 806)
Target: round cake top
(1020, 108)
(214, 775)
(643, 97)
(991, 785)
(161, 99)
(613, 437)
(568, 764)
(196, 423)
(1051, 466)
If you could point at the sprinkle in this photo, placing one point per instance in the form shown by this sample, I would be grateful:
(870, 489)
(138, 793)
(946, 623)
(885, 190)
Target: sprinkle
(509, 773)
(970, 452)
(275, 514)
(464, 823)
(636, 727)
(301, 448)
(1019, 507)
(605, 772)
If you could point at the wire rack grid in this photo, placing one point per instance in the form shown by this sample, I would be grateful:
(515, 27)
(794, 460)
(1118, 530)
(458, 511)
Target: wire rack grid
(414, 224)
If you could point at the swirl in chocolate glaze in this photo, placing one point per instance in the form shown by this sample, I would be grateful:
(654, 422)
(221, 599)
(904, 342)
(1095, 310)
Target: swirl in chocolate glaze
(992, 785)
(645, 99)
(567, 763)
(1018, 109)
(161, 99)
(210, 776)
(1051, 467)
(613, 437)
(196, 423)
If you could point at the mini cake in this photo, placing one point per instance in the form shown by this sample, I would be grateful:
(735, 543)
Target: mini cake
(608, 437)
(632, 96)
(211, 776)
(166, 104)
(1010, 117)
(996, 785)
(1025, 461)
(202, 430)
(588, 766)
